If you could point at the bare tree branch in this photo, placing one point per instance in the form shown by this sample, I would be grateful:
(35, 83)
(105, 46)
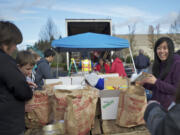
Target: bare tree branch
(132, 29)
(175, 30)
(47, 34)
(153, 34)
(151, 37)
(49, 31)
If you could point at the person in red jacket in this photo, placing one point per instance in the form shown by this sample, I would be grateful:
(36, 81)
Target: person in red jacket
(102, 67)
(117, 66)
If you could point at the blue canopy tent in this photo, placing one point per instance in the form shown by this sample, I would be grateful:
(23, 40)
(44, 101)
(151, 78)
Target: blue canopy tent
(91, 41)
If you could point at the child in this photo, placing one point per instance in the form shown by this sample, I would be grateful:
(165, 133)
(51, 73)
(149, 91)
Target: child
(25, 62)
(36, 58)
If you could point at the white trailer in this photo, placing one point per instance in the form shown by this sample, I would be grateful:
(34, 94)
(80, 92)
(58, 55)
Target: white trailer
(77, 26)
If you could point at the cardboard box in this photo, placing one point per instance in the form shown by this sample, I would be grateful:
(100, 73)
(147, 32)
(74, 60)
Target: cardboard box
(51, 81)
(116, 82)
(108, 75)
(109, 104)
(74, 80)
(78, 80)
(64, 80)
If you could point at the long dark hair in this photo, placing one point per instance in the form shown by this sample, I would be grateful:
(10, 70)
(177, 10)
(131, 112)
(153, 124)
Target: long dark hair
(177, 100)
(157, 61)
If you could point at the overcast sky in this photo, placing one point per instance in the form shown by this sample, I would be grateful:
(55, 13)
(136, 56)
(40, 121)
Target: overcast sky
(31, 15)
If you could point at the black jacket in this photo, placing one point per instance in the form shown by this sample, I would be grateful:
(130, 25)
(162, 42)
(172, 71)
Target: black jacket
(43, 71)
(14, 91)
(142, 61)
(161, 122)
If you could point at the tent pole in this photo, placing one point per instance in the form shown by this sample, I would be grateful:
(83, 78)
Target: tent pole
(132, 58)
(57, 65)
(67, 60)
(112, 52)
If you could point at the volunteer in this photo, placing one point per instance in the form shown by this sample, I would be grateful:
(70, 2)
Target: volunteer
(164, 80)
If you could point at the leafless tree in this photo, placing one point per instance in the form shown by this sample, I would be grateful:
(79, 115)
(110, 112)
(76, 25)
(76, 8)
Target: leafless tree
(48, 31)
(153, 34)
(158, 31)
(47, 34)
(175, 30)
(132, 29)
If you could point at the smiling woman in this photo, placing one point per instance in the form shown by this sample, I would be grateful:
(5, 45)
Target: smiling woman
(166, 76)
(162, 51)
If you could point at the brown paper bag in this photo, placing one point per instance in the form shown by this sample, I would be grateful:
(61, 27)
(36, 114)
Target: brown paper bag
(80, 112)
(132, 104)
(49, 87)
(116, 82)
(60, 104)
(37, 110)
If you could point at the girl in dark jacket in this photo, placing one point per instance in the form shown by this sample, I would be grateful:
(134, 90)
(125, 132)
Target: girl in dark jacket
(14, 90)
(162, 122)
(164, 80)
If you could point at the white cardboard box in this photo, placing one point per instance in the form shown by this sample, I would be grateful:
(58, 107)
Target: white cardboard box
(109, 104)
(65, 80)
(78, 80)
(67, 87)
(50, 81)
(108, 75)
(74, 80)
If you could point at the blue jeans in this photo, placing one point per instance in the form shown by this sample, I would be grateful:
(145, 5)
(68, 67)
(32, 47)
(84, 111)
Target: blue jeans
(148, 95)
(140, 70)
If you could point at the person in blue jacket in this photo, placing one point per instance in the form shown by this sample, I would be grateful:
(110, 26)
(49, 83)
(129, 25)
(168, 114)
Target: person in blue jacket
(43, 70)
(141, 62)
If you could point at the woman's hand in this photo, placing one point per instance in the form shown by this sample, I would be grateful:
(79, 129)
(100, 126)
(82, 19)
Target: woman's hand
(151, 79)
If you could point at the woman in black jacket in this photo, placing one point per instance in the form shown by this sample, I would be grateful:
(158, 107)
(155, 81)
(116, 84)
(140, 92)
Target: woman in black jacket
(162, 122)
(14, 90)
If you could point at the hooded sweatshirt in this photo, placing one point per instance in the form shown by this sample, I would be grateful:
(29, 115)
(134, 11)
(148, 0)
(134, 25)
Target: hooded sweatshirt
(117, 67)
(43, 72)
(164, 90)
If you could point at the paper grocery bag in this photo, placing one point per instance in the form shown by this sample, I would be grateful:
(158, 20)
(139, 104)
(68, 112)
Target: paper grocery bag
(80, 114)
(59, 102)
(49, 87)
(37, 110)
(132, 104)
